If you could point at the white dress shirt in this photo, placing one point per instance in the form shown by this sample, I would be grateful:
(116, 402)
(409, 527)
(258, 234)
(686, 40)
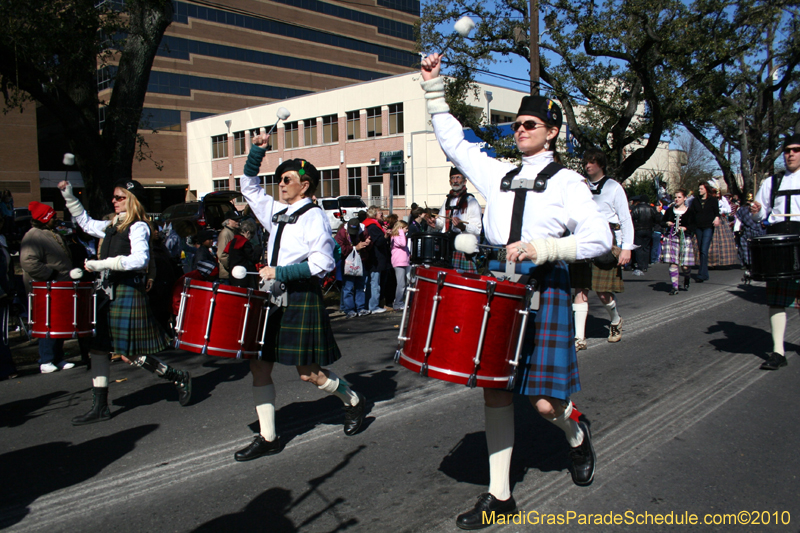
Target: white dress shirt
(471, 215)
(307, 239)
(566, 203)
(139, 236)
(612, 202)
(789, 182)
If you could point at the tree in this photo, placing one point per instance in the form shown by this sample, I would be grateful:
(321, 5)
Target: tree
(752, 102)
(51, 51)
(697, 164)
(609, 63)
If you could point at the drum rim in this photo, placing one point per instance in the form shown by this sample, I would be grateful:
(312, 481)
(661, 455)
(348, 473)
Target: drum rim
(225, 289)
(502, 288)
(454, 373)
(776, 237)
(62, 285)
(209, 347)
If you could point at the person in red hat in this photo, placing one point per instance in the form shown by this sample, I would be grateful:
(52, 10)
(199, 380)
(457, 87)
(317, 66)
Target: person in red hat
(44, 256)
(125, 322)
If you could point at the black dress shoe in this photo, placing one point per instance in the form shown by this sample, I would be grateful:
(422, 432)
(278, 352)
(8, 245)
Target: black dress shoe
(259, 448)
(354, 416)
(774, 362)
(673, 292)
(184, 386)
(486, 504)
(583, 459)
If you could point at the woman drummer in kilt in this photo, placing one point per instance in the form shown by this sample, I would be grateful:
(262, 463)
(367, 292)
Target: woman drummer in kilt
(676, 244)
(125, 323)
(300, 253)
(531, 222)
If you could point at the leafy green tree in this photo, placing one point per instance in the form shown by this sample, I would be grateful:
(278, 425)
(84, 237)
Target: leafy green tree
(51, 51)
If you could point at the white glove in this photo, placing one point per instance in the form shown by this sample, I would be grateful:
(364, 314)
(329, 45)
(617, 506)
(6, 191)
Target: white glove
(112, 263)
(73, 204)
(552, 249)
(434, 96)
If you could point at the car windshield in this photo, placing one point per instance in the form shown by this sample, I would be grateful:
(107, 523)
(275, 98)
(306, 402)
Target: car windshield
(180, 210)
(330, 204)
(351, 202)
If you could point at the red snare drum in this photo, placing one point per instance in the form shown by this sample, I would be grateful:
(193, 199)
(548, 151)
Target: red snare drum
(464, 328)
(61, 309)
(221, 320)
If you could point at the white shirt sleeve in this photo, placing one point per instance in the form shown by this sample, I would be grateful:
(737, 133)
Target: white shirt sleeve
(95, 228)
(763, 198)
(586, 223)
(260, 202)
(473, 217)
(320, 245)
(139, 235)
(625, 222)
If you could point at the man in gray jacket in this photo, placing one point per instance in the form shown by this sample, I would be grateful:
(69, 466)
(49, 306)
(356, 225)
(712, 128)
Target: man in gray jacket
(44, 256)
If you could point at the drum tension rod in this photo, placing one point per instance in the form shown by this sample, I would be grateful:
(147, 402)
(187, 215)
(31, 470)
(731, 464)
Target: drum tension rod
(491, 285)
(423, 370)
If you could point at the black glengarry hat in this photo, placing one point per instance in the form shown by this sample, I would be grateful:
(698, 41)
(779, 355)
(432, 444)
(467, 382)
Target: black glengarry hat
(135, 188)
(303, 168)
(541, 107)
(791, 139)
(455, 172)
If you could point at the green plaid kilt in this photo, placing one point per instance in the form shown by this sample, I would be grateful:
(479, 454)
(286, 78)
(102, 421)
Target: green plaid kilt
(463, 263)
(783, 293)
(300, 334)
(126, 325)
(723, 247)
(586, 275)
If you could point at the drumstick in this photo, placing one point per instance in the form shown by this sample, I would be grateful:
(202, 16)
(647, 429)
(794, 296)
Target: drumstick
(239, 272)
(786, 214)
(445, 216)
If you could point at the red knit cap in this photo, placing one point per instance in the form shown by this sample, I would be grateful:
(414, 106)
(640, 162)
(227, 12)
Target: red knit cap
(41, 212)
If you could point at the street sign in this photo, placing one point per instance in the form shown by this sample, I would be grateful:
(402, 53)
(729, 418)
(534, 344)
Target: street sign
(392, 161)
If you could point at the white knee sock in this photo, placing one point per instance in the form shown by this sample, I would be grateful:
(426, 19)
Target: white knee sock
(581, 312)
(571, 428)
(264, 398)
(500, 441)
(101, 368)
(777, 324)
(612, 312)
(339, 388)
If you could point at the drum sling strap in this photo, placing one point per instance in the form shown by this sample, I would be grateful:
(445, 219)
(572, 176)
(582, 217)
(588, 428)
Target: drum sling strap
(786, 226)
(521, 189)
(449, 209)
(281, 219)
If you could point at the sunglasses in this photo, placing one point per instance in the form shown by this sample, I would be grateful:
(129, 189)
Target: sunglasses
(529, 125)
(287, 180)
(793, 150)
(119, 198)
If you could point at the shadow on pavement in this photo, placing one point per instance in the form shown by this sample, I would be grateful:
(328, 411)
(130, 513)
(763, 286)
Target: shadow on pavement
(18, 412)
(744, 339)
(267, 512)
(32, 472)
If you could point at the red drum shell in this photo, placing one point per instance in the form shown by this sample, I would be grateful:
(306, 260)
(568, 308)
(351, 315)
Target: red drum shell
(71, 310)
(230, 333)
(457, 327)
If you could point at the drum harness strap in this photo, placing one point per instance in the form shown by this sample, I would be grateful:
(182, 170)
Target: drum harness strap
(277, 289)
(461, 203)
(786, 226)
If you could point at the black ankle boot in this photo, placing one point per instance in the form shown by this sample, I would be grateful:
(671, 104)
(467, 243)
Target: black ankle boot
(182, 381)
(686, 280)
(99, 411)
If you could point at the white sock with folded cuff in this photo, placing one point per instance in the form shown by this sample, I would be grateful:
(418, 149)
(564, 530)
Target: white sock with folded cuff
(339, 388)
(500, 442)
(777, 325)
(612, 312)
(264, 398)
(571, 428)
(581, 313)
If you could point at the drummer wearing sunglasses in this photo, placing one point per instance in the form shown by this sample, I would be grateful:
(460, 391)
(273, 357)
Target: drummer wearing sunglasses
(778, 202)
(529, 209)
(298, 331)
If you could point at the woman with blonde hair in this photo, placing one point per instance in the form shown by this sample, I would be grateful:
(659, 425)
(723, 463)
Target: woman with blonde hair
(125, 323)
(401, 261)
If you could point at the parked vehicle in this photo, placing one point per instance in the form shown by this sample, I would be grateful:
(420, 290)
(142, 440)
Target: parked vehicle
(208, 213)
(341, 209)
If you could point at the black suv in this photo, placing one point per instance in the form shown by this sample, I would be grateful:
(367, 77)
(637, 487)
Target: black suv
(208, 213)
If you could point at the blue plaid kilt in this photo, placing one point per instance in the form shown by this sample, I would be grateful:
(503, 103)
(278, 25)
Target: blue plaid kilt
(549, 364)
(463, 263)
(300, 334)
(783, 293)
(126, 325)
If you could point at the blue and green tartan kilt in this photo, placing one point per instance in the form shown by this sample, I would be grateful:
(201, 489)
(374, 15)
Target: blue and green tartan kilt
(549, 364)
(300, 334)
(463, 263)
(783, 293)
(126, 325)
(673, 254)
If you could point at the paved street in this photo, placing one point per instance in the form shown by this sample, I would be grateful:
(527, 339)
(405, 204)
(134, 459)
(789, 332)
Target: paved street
(683, 422)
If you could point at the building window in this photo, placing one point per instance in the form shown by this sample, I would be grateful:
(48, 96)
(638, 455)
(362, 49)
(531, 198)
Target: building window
(155, 119)
(291, 138)
(374, 122)
(399, 183)
(270, 184)
(105, 78)
(330, 183)
(219, 146)
(354, 181)
(374, 174)
(239, 145)
(330, 129)
(222, 185)
(101, 117)
(395, 119)
(498, 118)
(353, 125)
(310, 131)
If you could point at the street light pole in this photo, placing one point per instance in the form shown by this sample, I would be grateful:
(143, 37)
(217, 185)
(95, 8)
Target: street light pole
(534, 45)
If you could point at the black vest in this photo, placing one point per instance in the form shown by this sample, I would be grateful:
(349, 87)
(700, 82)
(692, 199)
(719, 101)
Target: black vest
(116, 242)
